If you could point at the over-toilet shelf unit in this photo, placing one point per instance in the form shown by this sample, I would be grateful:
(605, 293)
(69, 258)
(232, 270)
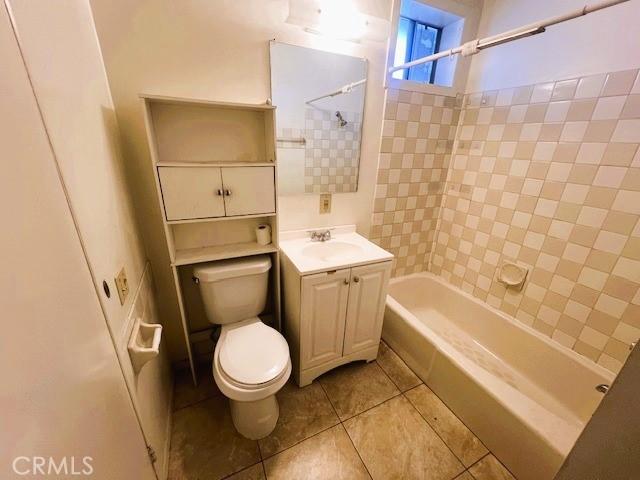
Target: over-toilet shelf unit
(214, 165)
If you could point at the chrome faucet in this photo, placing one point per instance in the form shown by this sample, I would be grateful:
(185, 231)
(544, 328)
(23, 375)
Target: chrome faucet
(320, 235)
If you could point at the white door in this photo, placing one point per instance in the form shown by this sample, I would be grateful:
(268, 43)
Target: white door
(367, 297)
(191, 192)
(61, 53)
(63, 396)
(324, 306)
(248, 190)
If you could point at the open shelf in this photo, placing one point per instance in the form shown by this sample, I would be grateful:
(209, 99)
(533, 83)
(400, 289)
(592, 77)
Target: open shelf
(220, 252)
(215, 164)
(203, 102)
(211, 133)
(220, 219)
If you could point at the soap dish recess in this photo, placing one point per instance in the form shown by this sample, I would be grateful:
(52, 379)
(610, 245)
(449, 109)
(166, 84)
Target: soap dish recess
(144, 343)
(512, 275)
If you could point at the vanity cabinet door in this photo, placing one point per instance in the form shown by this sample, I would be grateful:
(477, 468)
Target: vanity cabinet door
(191, 192)
(365, 311)
(248, 190)
(324, 307)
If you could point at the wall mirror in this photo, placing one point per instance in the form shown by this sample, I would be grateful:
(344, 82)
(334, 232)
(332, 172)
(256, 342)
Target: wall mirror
(320, 104)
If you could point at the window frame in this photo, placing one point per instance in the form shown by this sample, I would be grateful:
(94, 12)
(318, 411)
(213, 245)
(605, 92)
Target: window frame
(409, 52)
(471, 15)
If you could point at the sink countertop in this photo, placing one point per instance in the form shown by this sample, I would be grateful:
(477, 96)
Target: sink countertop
(345, 249)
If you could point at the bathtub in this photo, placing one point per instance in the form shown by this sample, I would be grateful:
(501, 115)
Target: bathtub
(526, 397)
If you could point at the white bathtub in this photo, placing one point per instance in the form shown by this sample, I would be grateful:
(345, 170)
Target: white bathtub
(526, 397)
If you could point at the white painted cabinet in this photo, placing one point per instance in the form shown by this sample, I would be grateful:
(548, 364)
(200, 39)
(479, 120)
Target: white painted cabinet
(365, 310)
(333, 317)
(248, 190)
(324, 306)
(192, 192)
(199, 192)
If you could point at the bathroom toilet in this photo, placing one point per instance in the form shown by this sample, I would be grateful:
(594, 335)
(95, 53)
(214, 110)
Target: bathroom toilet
(251, 360)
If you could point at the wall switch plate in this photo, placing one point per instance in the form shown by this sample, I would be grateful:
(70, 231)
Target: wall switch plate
(325, 203)
(122, 286)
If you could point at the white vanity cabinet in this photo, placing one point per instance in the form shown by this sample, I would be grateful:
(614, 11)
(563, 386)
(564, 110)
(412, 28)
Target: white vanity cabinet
(334, 316)
(195, 192)
(365, 309)
(322, 318)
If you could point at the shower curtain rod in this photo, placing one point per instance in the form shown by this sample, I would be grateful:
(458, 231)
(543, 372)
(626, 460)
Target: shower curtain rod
(344, 89)
(474, 46)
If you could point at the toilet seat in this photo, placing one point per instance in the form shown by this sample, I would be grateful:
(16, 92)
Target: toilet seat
(250, 360)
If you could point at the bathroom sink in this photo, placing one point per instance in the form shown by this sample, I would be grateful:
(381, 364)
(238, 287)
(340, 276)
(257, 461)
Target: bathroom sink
(332, 250)
(345, 249)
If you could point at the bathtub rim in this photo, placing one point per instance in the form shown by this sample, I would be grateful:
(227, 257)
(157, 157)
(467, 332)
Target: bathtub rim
(566, 351)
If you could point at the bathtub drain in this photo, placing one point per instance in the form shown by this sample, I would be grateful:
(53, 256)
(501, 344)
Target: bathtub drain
(602, 388)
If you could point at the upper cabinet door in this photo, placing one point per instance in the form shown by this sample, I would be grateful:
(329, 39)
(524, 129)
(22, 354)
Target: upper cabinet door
(324, 306)
(249, 190)
(191, 192)
(367, 298)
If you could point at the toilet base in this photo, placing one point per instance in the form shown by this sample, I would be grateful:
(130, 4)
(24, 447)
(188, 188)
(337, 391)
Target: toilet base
(255, 419)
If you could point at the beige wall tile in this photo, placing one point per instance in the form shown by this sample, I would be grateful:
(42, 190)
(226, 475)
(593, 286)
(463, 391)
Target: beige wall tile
(619, 83)
(547, 174)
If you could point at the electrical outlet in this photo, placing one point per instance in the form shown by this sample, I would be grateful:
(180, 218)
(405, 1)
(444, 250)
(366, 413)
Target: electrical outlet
(325, 203)
(122, 286)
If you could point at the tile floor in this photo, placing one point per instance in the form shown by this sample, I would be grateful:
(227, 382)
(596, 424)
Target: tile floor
(364, 420)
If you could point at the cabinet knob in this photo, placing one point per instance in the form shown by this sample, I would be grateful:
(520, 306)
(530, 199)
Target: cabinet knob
(219, 192)
(227, 192)
(346, 282)
(356, 279)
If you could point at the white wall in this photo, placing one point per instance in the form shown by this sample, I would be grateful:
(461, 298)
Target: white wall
(219, 50)
(63, 393)
(601, 42)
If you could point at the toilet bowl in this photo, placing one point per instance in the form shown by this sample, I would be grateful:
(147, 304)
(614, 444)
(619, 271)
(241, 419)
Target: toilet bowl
(250, 364)
(251, 361)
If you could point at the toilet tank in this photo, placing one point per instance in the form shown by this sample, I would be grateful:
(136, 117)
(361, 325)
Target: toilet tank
(235, 289)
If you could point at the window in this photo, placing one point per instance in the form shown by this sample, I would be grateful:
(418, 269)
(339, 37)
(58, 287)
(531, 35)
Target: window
(422, 30)
(416, 40)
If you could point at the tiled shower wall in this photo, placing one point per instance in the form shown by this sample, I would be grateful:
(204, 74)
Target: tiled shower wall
(548, 176)
(332, 151)
(417, 141)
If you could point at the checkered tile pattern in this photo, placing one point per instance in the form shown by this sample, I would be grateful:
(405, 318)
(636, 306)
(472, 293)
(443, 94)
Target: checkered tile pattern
(417, 141)
(332, 151)
(547, 176)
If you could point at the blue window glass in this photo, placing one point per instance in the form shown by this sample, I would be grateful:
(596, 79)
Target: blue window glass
(416, 40)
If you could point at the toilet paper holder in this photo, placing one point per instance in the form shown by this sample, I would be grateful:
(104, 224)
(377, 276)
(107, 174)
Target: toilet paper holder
(144, 343)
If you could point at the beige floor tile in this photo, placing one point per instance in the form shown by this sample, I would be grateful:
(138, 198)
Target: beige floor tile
(185, 393)
(464, 476)
(395, 442)
(356, 387)
(254, 472)
(328, 455)
(489, 468)
(396, 369)
(205, 444)
(303, 413)
(456, 435)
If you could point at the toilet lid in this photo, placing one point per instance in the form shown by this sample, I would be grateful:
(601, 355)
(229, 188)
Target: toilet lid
(253, 353)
